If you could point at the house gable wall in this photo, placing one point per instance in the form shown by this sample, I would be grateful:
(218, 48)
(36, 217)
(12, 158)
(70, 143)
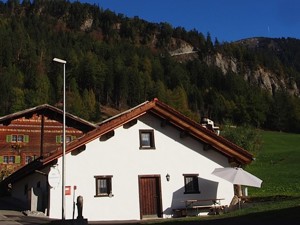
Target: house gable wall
(120, 157)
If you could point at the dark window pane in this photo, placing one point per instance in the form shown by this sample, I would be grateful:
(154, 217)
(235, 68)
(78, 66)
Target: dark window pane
(14, 138)
(11, 159)
(146, 140)
(191, 184)
(20, 138)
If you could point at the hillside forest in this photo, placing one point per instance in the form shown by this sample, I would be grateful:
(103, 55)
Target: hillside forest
(120, 62)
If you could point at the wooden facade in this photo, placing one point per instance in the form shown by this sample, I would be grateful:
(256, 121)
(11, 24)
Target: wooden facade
(26, 136)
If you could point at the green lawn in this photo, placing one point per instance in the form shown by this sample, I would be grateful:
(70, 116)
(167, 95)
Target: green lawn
(278, 165)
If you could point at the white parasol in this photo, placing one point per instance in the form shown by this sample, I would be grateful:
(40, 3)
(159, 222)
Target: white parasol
(238, 176)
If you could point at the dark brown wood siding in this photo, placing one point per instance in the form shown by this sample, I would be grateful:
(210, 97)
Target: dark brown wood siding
(31, 130)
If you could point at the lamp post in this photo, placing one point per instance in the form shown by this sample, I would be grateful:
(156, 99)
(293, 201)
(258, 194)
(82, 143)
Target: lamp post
(64, 137)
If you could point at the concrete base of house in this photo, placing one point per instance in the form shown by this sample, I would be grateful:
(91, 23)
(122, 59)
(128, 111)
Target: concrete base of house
(70, 222)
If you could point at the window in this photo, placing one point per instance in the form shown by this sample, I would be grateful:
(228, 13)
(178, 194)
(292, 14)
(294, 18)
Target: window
(28, 159)
(5, 159)
(11, 159)
(20, 138)
(147, 139)
(14, 138)
(191, 185)
(69, 138)
(103, 186)
(17, 138)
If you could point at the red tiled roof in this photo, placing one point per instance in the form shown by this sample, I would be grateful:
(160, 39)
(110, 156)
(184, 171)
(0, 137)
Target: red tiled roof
(169, 114)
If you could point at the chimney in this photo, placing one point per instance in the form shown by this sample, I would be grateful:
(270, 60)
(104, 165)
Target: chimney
(209, 124)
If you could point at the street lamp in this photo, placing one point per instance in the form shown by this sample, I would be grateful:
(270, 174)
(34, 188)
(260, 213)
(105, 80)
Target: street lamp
(64, 137)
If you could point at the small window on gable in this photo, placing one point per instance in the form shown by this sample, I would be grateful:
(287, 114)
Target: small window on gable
(103, 186)
(191, 185)
(147, 139)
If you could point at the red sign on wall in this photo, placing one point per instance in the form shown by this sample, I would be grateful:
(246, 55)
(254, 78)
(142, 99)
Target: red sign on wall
(67, 190)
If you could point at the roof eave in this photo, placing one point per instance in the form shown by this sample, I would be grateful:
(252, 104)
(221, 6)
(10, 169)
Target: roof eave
(53, 113)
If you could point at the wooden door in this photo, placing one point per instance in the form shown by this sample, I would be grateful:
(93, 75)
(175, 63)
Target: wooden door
(150, 196)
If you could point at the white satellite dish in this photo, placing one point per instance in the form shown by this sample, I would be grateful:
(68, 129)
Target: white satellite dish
(54, 177)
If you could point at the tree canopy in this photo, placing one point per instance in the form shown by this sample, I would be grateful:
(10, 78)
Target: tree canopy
(119, 61)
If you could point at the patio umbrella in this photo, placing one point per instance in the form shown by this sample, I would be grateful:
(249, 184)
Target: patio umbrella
(238, 176)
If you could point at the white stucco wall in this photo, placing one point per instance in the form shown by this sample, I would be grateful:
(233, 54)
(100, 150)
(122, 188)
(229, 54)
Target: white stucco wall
(121, 157)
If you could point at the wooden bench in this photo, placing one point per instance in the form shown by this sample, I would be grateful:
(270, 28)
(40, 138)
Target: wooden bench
(182, 212)
(199, 205)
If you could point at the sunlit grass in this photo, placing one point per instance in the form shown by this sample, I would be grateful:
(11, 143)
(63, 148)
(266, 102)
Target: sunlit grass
(278, 165)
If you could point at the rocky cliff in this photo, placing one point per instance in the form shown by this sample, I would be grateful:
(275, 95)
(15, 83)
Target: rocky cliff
(262, 76)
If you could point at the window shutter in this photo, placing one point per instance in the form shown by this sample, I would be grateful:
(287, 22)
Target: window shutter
(18, 159)
(8, 138)
(26, 138)
(1, 159)
(58, 139)
(73, 138)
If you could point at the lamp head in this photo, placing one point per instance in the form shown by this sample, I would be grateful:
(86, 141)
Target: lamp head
(168, 177)
(59, 60)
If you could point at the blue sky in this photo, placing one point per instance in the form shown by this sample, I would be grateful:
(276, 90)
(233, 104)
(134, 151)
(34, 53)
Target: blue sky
(228, 20)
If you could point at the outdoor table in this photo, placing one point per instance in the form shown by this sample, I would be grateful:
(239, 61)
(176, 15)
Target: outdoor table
(195, 203)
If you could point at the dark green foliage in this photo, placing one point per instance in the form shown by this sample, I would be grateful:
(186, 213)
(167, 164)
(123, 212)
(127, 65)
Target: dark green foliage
(245, 136)
(119, 61)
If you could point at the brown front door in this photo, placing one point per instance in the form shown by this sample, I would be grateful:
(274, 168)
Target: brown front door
(150, 196)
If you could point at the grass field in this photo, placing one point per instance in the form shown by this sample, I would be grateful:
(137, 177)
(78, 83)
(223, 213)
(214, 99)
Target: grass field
(278, 200)
(278, 165)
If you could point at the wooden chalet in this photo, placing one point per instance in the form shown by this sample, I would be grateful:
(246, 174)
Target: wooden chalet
(35, 132)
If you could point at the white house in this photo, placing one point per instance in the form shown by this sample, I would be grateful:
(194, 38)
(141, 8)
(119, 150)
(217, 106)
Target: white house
(142, 163)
